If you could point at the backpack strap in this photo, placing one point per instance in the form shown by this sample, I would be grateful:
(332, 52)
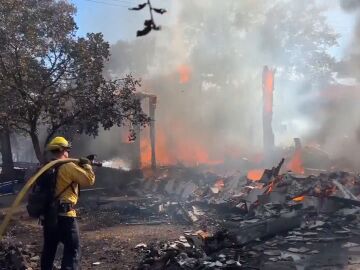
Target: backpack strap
(58, 196)
(73, 189)
(70, 185)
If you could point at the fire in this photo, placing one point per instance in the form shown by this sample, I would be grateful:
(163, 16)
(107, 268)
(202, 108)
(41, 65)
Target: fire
(255, 175)
(184, 72)
(296, 163)
(299, 199)
(219, 184)
(145, 149)
(162, 156)
(270, 187)
(268, 88)
(184, 149)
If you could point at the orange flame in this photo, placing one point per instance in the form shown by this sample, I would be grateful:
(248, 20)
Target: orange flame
(270, 187)
(184, 72)
(219, 184)
(299, 199)
(296, 163)
(268, 88)
(255, 175)
(145, 149)
(184, 150)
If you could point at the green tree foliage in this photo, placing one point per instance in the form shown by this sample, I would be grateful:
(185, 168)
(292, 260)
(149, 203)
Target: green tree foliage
(51, 78)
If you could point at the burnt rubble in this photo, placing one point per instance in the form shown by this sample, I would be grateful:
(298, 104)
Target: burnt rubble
(282, 221)
(285, 221)
(15, 255)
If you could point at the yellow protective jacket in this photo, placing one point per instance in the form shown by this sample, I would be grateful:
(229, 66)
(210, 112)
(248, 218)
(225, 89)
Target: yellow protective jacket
(80, 176)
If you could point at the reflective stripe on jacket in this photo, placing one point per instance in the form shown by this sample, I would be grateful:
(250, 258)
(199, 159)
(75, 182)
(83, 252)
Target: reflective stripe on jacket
(80, 176)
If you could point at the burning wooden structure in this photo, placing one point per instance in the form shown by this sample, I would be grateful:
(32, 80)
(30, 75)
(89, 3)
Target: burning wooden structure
(152, 100)
(268, 77)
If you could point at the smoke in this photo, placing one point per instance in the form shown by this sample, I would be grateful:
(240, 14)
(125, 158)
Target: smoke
(216, 113)
(350, 5)
(225, 45)
(337, 113)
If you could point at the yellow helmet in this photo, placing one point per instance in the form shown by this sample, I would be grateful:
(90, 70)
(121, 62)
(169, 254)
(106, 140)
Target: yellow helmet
(58, 143)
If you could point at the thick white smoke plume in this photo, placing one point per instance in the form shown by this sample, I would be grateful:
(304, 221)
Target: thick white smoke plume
(205, 67)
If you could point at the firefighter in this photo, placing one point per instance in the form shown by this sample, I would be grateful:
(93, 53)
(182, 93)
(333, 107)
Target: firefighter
(69, 178)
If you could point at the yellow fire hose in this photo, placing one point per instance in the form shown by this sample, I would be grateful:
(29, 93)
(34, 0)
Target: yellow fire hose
(26, 188)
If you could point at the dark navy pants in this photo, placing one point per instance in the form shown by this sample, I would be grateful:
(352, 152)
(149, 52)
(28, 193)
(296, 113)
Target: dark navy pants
(67, 232)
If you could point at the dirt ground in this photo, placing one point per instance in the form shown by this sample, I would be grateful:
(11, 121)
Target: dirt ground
(108, 246)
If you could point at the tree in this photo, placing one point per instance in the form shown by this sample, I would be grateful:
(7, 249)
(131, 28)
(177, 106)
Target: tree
(6, 154)
(5, 143)
(51, 79)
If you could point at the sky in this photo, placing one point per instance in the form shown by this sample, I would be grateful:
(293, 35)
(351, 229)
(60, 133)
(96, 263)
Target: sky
(114, 20)
(344, 24)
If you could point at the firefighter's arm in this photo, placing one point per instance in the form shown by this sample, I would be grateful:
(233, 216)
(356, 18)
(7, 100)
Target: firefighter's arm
(83, 175)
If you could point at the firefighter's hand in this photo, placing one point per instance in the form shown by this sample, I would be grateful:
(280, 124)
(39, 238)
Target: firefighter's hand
(84, 161)
(91, 157)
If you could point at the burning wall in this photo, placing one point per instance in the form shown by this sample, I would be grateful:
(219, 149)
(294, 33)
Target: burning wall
(185, 149)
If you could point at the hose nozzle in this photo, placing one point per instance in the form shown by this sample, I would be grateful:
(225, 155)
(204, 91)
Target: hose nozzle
(93, 161)
(96, 163)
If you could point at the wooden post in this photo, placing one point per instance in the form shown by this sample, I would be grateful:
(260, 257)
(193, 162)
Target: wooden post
(137, 149)
(268, 89)
(152, 107)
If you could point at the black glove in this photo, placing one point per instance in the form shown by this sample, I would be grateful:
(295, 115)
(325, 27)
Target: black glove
(91, 157)
(83, 161)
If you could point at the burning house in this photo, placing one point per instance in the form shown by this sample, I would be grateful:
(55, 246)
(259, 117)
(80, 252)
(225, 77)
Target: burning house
(250, 159)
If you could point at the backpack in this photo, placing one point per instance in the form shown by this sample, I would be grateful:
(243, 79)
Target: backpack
(42, 194)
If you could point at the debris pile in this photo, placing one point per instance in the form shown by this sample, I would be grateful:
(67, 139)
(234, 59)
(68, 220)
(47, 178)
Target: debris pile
(286, 219)
(282, 221)
(310, 240)
(18, 256)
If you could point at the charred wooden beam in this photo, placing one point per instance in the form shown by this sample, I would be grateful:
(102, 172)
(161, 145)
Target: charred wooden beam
(137, 148)
(152, 107)
(265, 228)
(345, 201)
(268, 88)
